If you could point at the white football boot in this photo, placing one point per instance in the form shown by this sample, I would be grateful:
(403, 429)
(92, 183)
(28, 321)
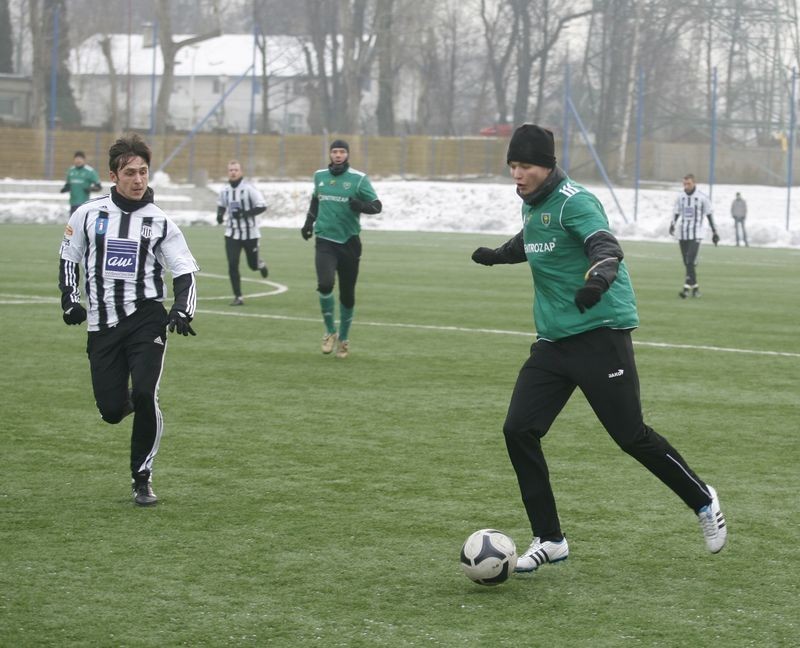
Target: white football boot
(328, 342)
(541, 552)
(712, 523)
(343, 349)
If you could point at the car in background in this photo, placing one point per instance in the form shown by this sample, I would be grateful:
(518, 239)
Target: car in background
(497, 130)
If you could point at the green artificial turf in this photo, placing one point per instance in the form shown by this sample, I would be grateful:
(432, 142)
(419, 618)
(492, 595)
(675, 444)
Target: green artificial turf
(311, 501)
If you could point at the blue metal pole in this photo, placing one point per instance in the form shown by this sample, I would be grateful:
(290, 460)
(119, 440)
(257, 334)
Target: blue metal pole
(565, 127)
(51, 118)
(153, 82)
(790, 161)
(253, 86)
(199, 124)
(595, 156)
(639, 119)
(713, 160)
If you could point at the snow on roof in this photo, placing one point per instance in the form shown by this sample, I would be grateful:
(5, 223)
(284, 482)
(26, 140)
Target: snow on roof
(229, 54)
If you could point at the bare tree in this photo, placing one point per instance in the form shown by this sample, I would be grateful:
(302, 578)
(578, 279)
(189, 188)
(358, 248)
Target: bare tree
(6, 40)
(500, 36)
(549, 26)
(169, 48)
(386, 68)
(42, 25)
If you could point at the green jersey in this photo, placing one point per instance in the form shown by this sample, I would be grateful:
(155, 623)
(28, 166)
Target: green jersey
(336, 221)
(80, 180)
(554, 233)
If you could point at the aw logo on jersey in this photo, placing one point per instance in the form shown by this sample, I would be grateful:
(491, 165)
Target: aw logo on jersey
(121, 259)
(546, 219)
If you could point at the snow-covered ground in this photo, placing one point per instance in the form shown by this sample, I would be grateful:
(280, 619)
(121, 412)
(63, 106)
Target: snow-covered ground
(464, 207)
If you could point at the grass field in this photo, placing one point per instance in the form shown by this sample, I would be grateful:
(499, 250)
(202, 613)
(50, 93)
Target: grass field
(309, 501)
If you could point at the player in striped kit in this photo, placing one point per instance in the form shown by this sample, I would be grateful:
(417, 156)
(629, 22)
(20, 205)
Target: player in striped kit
(243, 202)
(692, 208)
(125, 243)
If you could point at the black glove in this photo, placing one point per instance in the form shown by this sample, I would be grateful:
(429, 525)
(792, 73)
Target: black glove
(356, 205)
(74, 315)
(64, 189)
(95, 187)
(590, 293)
(484, 256)
(179, 321)
(715, 239)
(307, 231)
(671, 229)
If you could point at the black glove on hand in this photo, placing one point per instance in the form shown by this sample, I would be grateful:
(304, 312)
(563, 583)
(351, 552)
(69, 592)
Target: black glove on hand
(356, 205)
(307, 231)
(590, 294)
(484, 256)
(715, 239)
(671, 229)
(74, 315)
(179, 321)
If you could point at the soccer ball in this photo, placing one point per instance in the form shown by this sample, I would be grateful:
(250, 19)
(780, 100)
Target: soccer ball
(488, 557)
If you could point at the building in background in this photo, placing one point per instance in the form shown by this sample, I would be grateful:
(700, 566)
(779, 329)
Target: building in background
(204, 72)
(15, 99)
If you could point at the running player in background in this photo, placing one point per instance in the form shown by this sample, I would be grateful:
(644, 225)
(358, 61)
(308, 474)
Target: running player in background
(584, 310)
(341, 194)
(81, 179)
(124, 242)
(243, 202)
(692, 208)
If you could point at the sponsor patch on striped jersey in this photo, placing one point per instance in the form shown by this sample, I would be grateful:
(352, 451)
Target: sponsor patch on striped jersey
(121, 259)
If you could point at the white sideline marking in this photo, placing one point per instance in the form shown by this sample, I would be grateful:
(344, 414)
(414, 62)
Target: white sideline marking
(279, 288)
(462, 329)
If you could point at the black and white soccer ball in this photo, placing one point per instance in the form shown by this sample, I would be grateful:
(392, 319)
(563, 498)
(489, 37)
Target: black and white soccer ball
(488, 557)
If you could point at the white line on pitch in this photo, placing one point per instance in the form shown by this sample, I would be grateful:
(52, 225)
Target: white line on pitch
(462, 329)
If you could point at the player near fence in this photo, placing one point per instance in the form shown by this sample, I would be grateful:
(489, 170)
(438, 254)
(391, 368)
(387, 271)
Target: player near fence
(124, 243)
(81, 180)
(739, 215)
(692, 209)
(340, 195)
(242, 202)
(584, 310)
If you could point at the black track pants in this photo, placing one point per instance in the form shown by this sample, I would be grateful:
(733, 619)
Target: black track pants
(132, 351)
(601, 364)
(233, 251)
(340, 259)
(689, 251)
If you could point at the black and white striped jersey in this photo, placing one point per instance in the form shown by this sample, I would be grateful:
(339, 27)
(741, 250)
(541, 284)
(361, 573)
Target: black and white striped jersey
(238, 202)
(125, 256)
(690, 214)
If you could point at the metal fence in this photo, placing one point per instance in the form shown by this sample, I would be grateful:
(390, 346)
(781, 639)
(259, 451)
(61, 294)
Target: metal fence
(204, 156)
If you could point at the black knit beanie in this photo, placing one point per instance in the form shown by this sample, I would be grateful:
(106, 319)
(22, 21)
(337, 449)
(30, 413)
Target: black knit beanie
(339, 143)
(532, 144)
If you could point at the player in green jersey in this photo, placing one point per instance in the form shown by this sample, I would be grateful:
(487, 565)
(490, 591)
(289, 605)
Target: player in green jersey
(81, 179)
(341, 194)
(584, 311)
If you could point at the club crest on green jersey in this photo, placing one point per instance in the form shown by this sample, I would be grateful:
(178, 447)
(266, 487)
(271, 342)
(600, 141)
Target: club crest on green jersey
(347, 185)
(546, 219)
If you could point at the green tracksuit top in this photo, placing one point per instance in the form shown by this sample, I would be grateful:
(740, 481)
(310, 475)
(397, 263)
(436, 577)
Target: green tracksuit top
(80, 179)
(554, 232)
(335, 220)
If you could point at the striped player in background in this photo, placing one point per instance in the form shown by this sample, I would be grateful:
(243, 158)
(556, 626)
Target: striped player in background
(125, 243)
(692, 207)
(243, 202)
